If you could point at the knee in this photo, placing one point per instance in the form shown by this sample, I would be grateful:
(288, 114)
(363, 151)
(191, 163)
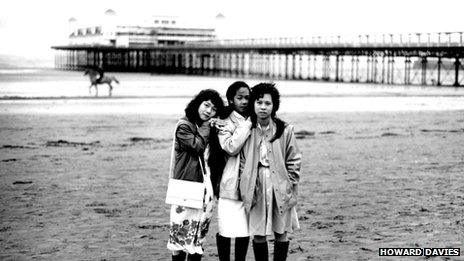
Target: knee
(259, 239)
(281, 237)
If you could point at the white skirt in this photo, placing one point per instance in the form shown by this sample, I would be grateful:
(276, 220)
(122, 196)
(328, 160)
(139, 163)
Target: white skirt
(232, 218)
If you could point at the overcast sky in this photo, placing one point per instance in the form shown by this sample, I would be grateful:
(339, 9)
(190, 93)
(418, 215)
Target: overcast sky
(29, 27)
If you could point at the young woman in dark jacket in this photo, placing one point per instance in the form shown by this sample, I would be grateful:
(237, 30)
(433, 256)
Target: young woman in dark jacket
(191, 150)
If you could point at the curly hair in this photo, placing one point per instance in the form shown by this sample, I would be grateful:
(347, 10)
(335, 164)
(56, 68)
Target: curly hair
(191, 111)
(258, 92)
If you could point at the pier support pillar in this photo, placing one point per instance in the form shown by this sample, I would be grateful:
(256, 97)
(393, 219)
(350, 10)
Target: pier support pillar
(407, 71)
(341, 74)
(383, 69)
(457, 64)
(294, 76)
(309, 67)
(424, 71)
(392, 75)
(314, 67)
(286, 73)
(439, 63)
(352, 68)
(368, 69)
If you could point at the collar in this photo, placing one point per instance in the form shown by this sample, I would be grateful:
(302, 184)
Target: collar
(266, 128)
(237, 116)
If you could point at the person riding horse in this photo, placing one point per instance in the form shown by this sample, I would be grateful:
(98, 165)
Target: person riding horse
(96, 77)
(100, 73)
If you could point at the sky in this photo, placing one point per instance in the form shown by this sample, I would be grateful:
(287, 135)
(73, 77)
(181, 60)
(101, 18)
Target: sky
(30, 27)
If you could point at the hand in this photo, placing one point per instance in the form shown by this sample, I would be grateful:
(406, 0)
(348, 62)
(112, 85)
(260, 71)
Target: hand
(218, 123)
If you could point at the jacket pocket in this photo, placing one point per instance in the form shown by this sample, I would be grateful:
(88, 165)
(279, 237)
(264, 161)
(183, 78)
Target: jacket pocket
(291, 195)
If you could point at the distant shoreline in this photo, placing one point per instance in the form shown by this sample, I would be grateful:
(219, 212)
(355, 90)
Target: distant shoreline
(355, 95)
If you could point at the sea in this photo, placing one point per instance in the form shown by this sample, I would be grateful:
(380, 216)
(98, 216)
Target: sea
(50, 91)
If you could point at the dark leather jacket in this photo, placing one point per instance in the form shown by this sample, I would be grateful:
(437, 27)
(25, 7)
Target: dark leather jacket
(190, 143)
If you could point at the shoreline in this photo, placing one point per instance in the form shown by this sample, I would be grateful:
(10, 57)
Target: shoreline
(170, 105)
(303, 95)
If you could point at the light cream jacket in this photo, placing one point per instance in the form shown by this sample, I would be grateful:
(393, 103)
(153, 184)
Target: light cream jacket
(284, 164)
(231, 139)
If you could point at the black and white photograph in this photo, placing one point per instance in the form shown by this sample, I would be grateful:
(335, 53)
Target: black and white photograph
(231, 130)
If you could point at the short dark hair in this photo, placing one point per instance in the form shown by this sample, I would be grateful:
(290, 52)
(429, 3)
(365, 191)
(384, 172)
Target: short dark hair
(234, 87)
(258, 92)
(230, 93)
(191, 111)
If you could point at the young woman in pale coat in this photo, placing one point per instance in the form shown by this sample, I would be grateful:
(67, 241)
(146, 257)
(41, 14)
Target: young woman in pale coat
(232, 219)
(269, 174)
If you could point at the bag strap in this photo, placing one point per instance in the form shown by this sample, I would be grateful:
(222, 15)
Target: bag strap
(173, 151)
(202, 169)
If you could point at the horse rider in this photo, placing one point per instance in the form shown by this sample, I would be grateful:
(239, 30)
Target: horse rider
(100, 73)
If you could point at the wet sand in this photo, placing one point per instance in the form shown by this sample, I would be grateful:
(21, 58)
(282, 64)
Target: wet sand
(91, 186)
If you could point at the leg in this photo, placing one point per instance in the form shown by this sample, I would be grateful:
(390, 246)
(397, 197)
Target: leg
(241, 248)
(194, 257)
(223, 246)
(110, 90)
(281, 246)
(178, 256)
(260, 248)
(90, 89)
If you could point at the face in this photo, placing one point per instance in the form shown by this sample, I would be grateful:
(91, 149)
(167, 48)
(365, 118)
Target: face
(206, 110)
(263, 106)
(241, 100)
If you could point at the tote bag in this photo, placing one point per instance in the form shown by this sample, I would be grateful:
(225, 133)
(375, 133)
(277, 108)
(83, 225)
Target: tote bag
(185, 193)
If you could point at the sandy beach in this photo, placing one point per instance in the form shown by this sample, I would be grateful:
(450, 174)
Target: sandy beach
(84, 178)
(91, 186)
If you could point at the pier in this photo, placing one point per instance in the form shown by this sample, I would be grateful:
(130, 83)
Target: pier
(434, 59)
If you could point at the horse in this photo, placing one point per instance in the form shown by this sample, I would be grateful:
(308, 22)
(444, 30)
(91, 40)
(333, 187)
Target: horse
(94, 82)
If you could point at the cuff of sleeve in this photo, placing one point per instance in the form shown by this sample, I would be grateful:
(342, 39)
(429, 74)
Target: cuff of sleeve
(247, 124)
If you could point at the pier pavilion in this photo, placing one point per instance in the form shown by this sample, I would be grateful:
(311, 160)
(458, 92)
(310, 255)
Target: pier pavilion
(113, 30)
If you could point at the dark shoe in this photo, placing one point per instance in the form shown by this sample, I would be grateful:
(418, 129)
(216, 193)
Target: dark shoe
(261, 251)
(223, 247)
(194, 257)
(241, 248)
(280, 250)
(179, 257)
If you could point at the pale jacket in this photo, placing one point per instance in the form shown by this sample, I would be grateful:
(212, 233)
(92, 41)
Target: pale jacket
(231, 139)
(284, 164)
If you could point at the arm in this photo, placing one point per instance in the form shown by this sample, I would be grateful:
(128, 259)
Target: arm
(292, 157)
(190, 140)
(242, 162)
(232, 139)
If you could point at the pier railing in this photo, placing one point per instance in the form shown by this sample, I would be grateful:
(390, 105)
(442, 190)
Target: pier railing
(440, 39)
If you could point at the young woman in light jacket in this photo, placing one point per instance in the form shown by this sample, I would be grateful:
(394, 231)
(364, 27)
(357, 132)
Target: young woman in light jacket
(232, 219)
(269, 174)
